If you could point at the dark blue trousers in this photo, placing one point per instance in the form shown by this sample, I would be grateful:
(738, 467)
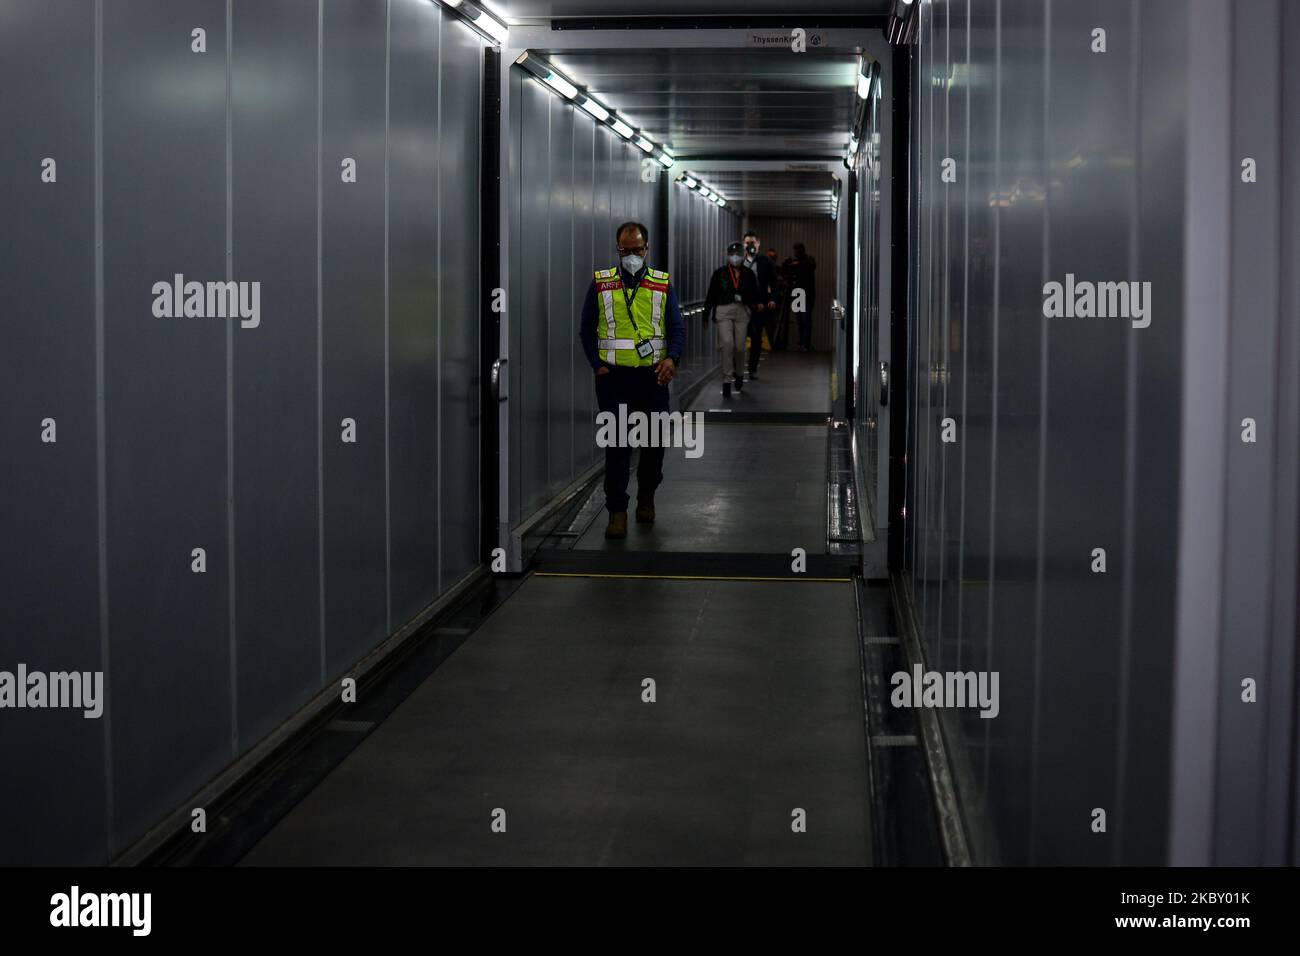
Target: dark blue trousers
(640, 392)
(756, 326)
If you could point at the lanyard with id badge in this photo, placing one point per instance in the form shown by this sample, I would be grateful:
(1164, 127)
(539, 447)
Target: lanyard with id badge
(643, 347)
(735, 281)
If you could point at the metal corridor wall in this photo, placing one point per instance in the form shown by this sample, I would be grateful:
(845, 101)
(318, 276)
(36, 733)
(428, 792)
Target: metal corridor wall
(701, 231)
(1065, 431)
(224, 514)
(571, 182)
(1115, 525)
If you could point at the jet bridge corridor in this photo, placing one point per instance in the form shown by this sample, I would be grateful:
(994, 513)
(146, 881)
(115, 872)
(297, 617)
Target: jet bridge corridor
(949, 350)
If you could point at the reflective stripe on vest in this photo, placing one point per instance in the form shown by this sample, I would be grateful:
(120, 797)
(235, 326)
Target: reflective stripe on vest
(622, 331)
(604, 344)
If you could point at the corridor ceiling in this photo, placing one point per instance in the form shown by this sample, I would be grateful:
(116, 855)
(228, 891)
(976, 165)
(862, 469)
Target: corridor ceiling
(533, 10)
(739, 103)
(774, 193)
(770, 104)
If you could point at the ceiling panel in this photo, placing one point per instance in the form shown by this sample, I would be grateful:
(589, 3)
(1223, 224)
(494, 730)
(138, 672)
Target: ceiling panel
(545, 9)
(731, 102)
(798, 194)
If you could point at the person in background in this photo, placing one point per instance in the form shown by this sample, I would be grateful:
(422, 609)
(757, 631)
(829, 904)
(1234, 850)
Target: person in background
(803, 269)
(632, 334)
(761, 266)
(777, 321)
(732, 297)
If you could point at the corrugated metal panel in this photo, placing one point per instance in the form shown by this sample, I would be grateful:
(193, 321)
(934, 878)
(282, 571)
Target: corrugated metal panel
(459, 307)
(165, 411)
(295, 520)
(54, 812)
(353, 368)
(413, 272)
(276, 488)
(1048, 464)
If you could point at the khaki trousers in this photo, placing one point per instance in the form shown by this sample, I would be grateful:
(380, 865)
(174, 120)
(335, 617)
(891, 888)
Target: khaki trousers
(733, 321)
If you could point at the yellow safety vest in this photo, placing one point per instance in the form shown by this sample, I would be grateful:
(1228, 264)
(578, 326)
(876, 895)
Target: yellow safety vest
(617, 330)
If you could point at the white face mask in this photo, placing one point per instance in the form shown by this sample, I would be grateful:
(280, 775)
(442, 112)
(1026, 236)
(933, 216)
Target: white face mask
(633, 264)
(734, 260)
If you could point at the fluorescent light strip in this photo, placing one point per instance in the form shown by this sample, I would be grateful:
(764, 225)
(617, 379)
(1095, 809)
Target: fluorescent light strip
(700, 187)
(560, 85)
(595, 109)
(491, 26)
(542, 70)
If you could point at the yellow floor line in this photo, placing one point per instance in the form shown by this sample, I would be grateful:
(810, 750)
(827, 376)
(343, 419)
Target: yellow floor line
(683, 577)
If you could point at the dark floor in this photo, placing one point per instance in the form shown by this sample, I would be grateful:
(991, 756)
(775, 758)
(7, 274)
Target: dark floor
(759, 708)
(755, 489)
(540, 713)
(788, 383)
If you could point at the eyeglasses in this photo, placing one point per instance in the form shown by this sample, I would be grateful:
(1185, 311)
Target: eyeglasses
(631, 250)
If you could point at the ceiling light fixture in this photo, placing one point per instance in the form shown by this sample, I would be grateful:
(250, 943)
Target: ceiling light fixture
(702, 188)
(540, 69)
(595, 109)
(560, 85)
(491, 27)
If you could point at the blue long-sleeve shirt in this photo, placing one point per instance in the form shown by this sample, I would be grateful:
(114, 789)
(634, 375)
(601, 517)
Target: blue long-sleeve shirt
(675, 338)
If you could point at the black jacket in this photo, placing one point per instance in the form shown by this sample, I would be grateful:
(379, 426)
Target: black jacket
(767, 290)
(803, 274)
(721, 290)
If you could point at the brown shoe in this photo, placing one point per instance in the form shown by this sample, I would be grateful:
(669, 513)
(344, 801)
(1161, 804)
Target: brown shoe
(617, 527)
(645, 512)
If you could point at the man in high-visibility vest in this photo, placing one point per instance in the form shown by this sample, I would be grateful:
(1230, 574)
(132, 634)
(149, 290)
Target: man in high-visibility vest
(633, 336)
